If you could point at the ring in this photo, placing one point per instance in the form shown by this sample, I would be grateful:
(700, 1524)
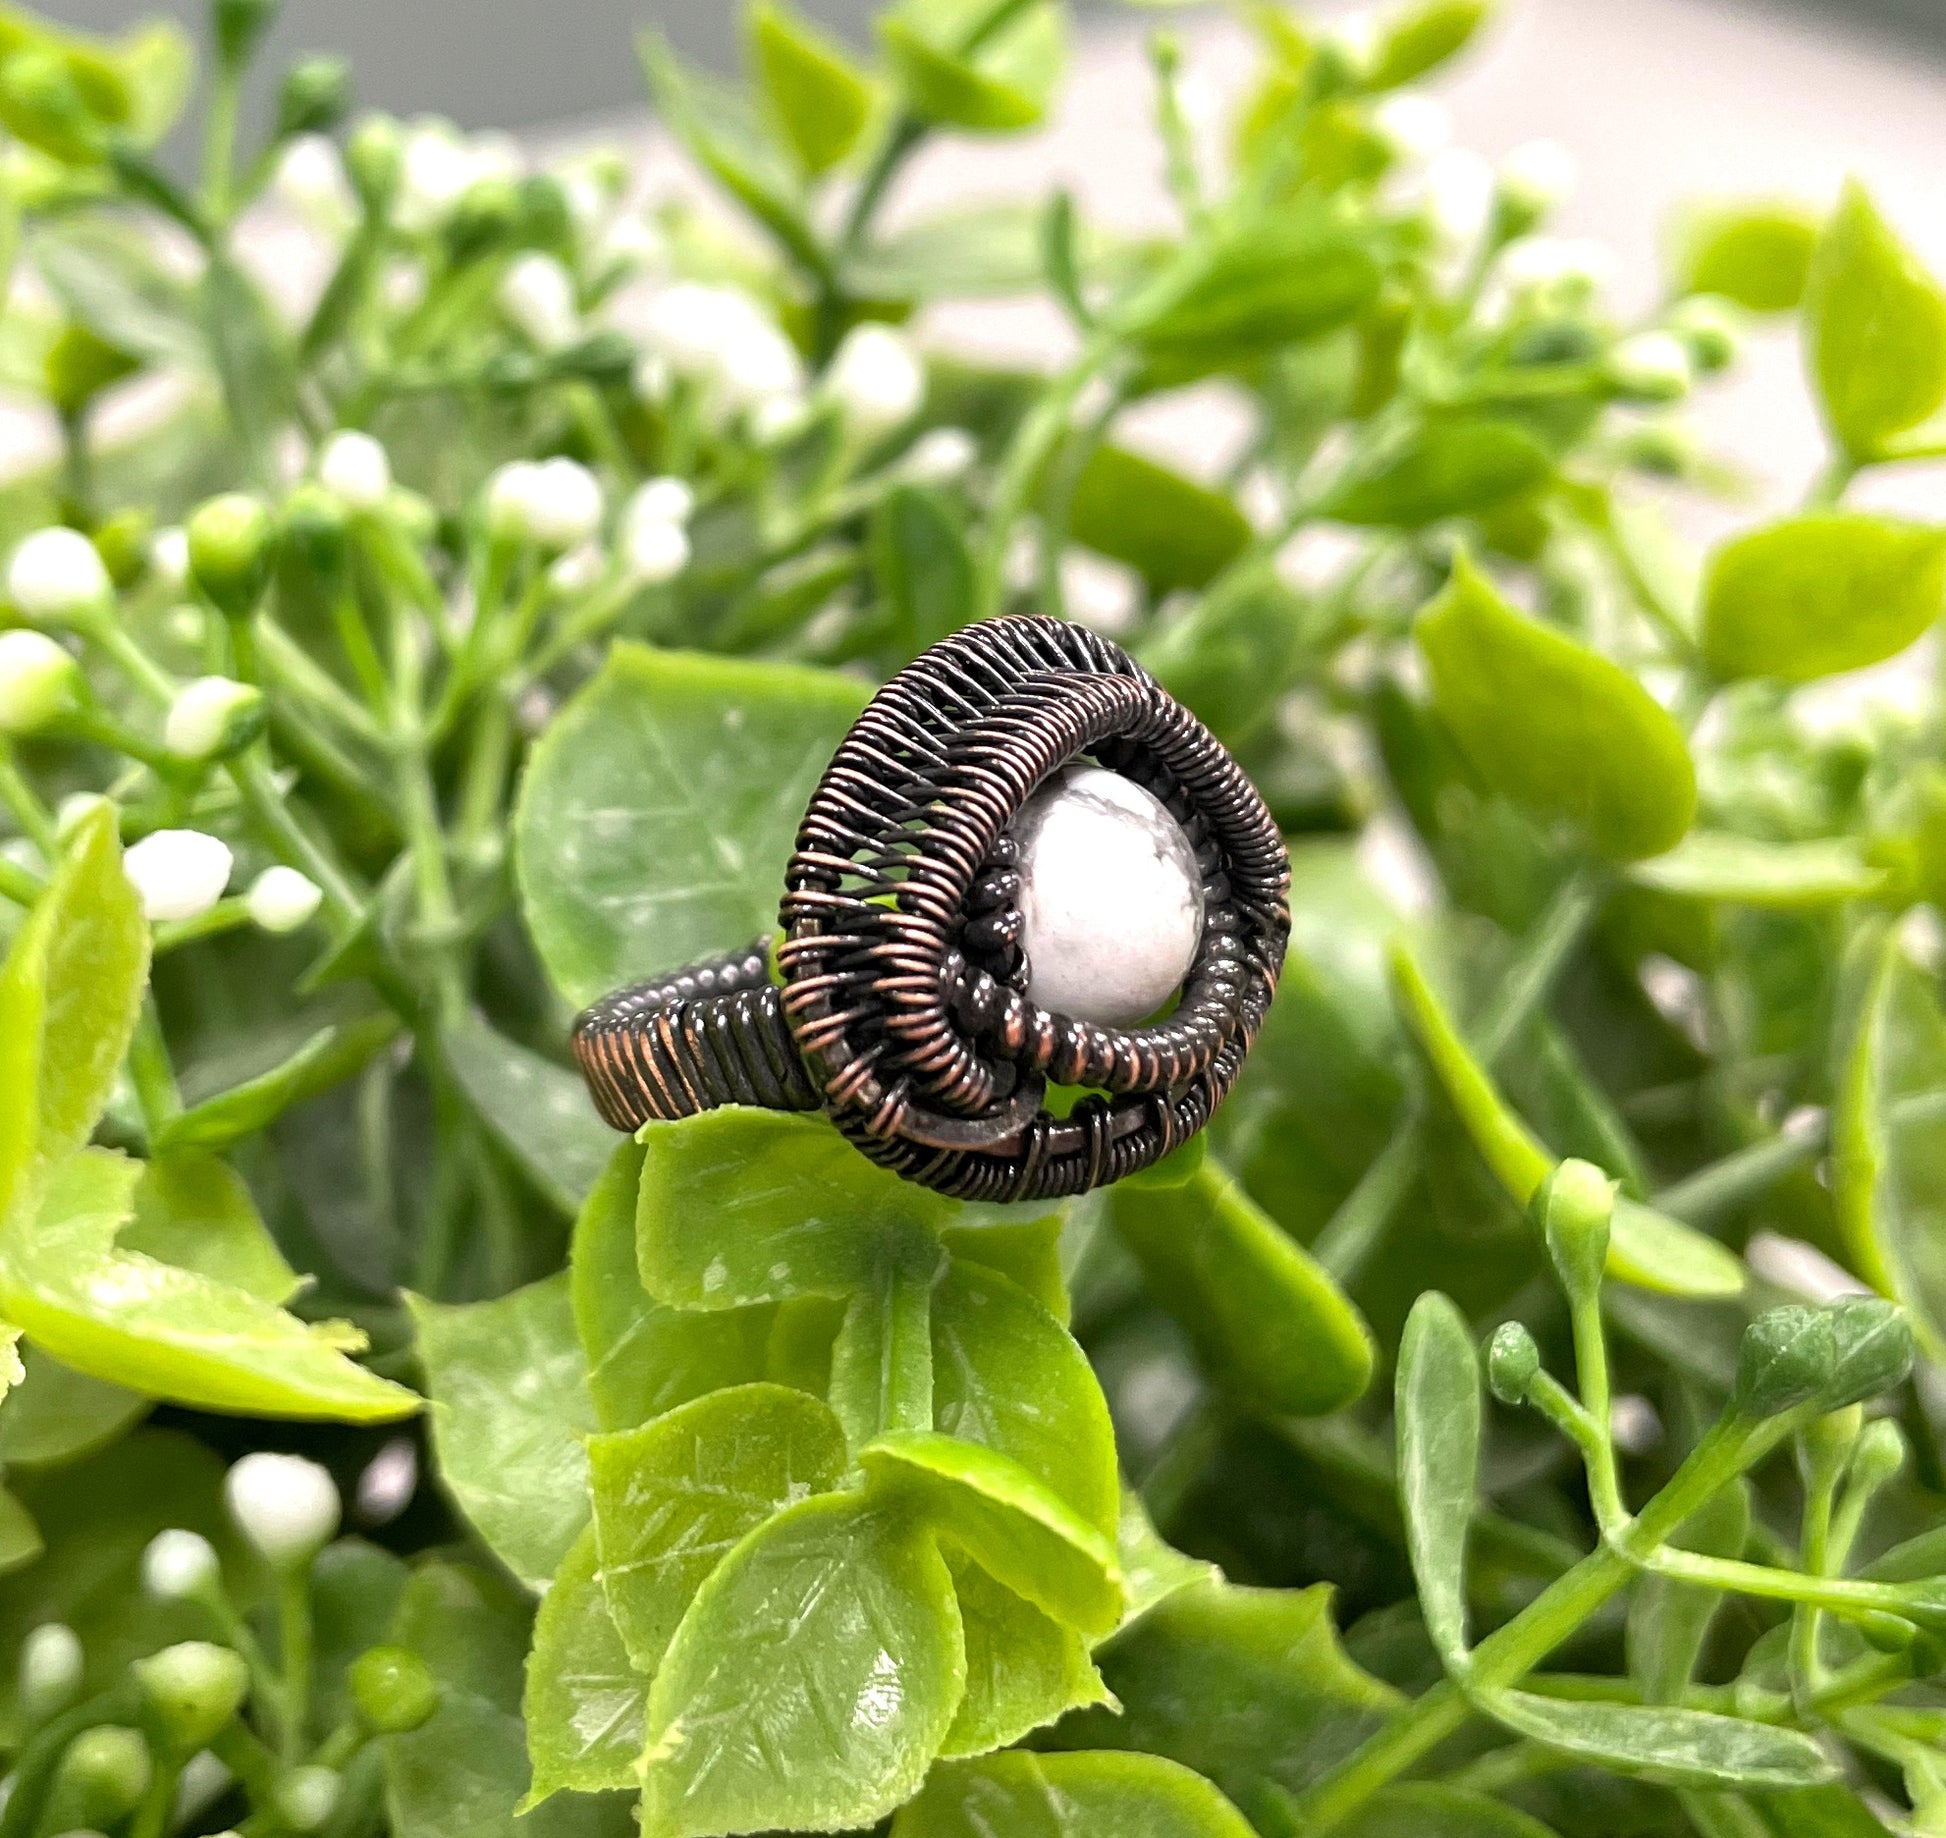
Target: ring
(1022, 850)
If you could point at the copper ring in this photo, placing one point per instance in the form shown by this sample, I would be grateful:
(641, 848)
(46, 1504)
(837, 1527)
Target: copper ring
(903, 1013)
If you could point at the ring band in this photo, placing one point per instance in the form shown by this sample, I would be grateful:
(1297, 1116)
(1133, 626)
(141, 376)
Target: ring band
(904, 1013)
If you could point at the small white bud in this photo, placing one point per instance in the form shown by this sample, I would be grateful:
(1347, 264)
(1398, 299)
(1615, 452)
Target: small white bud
(655, 552)
(1550, 261)
(285, 1506)
(537, 294)
(179, 874)
(510, 494)
(50, 1668)
(436, 169)
(310, 180)
(169, 557)
(74, 810)
(178, 1564)
(57, 575)
(1536, 176)
(38, 681)
(876, 379)
(1413, 124)
(939, 456)
(777, 418)
(1457, 193)
(565, 508)
(212, 716)
(576, 571)
(630, 244)
(308, 1796)
(1651, 366)
(1355, 38)
(281, 899)
(663, 500)
(355, 468)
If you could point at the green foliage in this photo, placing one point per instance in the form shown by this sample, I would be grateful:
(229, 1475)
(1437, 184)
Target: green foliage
(759, 1490)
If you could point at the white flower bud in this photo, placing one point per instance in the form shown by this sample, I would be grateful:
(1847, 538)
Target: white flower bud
(576, 571)
(876, 379)
(308, 1796)
(178, 1564)
(355, 468)
(74, 810)
(281, 899)
(776, 418)
(212, 716)
(1456, 190)
(939, 456)
(285, 1506)
(436, 169)
(310, 180)
(169, 557)
(510, 494)
(1550, 261)
(50, 1669)
(631, 244)
(1413, 124)
(537, 294)
(719, 338)
(179, 874)
(564, 504)
(57, 575)
(38, 681)
(1535, 177)
(655, 552)
(662, 500)
(1651, 366)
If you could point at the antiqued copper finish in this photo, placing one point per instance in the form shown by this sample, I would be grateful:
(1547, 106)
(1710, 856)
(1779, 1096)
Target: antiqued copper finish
(903, 1013)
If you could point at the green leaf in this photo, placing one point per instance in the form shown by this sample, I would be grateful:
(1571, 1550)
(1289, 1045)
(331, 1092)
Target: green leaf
(111, 283)
(173, 1333)
(660, 807)
(1448, 466)
(1743, 871)
(1152, 1571)
(1231, 657)
(1288, 275)
(1818, 594)
(464, 1773)
(585, 1706)
(539, 1111)
(816, 95)
(20, 1537)
(193, 1211)
(745, 1206)
(1644, 1247)
(1421, 1809)
(97, 1516)
(673, 1498)
(1889, 1156)
(1069, 1796)
(1757, 255)
(1010, 1523)
(1173, 532)
(922, 565)
(1552, 725)
(812, 1681)
(1679, 1748)
(1875, 325)
(1424, 38)
(1025, 1251)
(1008, 1376)
(644, 1358)
(250, 353)
(355, 1592)
(68, 998)
(1024, 1669)
(56, 1414)
(881, 1360)
(1247, 1686)
(1668, 1621)
(985, 251)
(1000, 87)
(328, 1058)
(510, 1405)
(1437, 1400)
(1265, 1317)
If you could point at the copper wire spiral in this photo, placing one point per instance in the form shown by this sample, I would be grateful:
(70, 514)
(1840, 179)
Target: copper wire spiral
(904, 1012)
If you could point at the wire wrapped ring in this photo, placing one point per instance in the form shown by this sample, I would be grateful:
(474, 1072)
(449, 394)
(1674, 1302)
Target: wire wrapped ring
(903, 1012)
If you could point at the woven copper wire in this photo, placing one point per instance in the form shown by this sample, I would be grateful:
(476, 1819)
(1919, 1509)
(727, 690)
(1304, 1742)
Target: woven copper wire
(903, 1012)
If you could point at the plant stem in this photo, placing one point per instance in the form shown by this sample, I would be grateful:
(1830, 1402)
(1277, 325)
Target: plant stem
(25, 807)
(219, 140)
(294, 1657)
(1743, 1175)
(150, 1072)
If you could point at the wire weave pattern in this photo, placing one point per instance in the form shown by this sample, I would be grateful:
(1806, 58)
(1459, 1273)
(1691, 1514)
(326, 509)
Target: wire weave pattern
(904, 1011)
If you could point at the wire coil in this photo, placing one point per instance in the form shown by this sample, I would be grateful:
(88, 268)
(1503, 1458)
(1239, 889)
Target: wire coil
(904, 1011)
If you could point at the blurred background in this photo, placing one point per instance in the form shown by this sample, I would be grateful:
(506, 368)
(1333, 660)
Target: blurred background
(1660, 100)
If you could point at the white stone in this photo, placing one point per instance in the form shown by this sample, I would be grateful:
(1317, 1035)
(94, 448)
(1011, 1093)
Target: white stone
(1111, 903)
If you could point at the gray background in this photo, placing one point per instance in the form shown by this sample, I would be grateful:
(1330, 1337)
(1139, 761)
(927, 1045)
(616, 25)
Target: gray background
(519, 63)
